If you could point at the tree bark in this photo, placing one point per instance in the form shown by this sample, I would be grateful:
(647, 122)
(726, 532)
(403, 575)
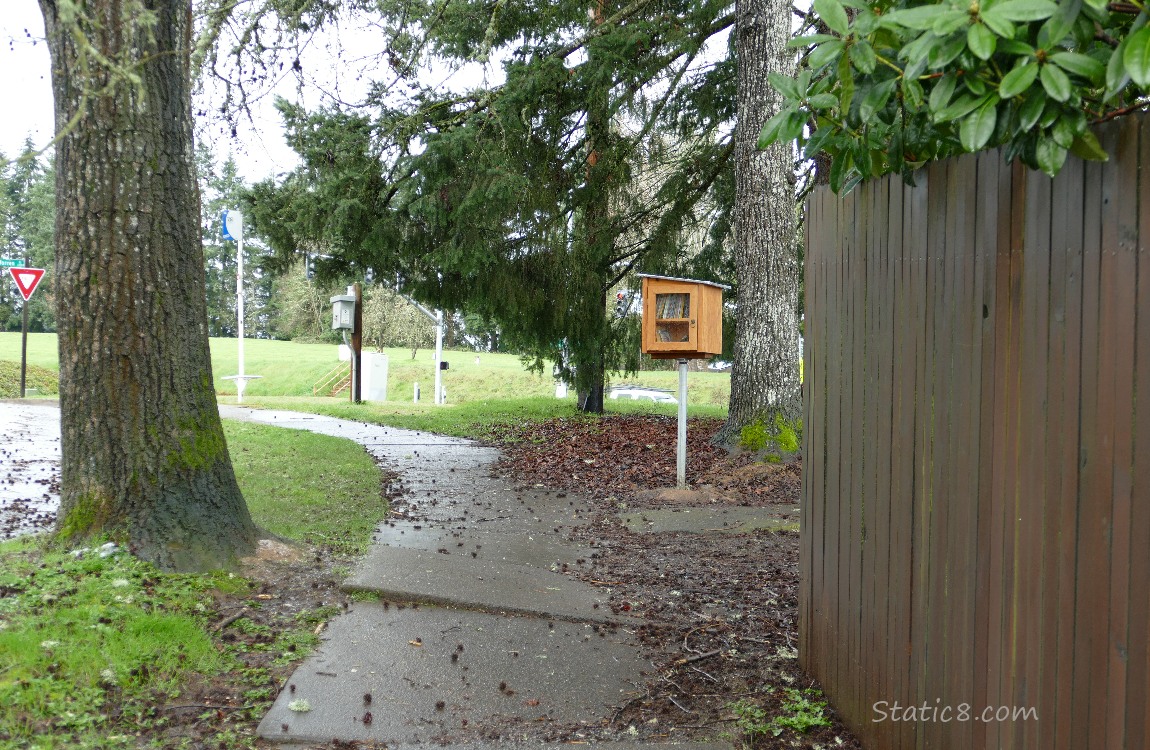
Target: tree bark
(144, 459)
(765, 371)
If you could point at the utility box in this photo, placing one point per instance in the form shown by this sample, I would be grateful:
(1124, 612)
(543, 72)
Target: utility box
(343, 312)
(682, 318)
(374, 385)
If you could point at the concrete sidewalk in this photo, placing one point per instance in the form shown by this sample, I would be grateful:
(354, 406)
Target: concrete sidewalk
(501, 646)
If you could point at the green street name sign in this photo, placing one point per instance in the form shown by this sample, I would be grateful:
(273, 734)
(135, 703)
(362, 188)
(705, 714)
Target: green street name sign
(11, 262)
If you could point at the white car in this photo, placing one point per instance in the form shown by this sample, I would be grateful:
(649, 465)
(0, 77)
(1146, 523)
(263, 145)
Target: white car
(641, 393)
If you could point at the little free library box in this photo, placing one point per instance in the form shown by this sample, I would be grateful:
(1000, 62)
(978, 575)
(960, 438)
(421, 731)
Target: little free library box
(682, 318)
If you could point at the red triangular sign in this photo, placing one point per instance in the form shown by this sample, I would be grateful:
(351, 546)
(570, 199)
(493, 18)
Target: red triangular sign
(26, 280)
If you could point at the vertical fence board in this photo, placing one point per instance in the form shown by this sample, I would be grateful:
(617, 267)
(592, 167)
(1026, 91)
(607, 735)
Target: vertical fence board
(1061, 426)
(1066, 365)
(994, 182)
(902, 458)
(962, 526)
(1030, 499)
(1090, 590)
(1119, 326)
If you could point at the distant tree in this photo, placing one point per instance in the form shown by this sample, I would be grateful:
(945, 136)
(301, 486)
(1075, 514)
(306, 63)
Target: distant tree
(510, 201)
(221, 188)
(27, 208)
(391, 321)
(143, 456)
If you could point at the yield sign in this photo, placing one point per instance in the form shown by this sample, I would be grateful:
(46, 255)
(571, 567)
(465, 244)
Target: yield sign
(26, 280)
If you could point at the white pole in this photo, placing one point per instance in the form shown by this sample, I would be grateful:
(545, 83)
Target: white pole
(681, 457)
(438, 356)
(240, 381)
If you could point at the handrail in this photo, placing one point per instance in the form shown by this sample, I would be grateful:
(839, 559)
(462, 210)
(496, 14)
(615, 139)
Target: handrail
(342, 370)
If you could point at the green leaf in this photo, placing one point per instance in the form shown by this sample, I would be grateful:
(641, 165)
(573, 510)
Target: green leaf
(840, 169)
(912, 92)
(963, 106)
(824, 54)
(1116, 75)
(981, 41)
(916, 52)
(810, 39)
(942, 92)
(943, 54)
(1018, 80)
(1086, 146)
(865, 23)
(920, 18)
(1016, 47)
(997, 23)
(847, 85)
(1056, 29)
(1136, 56)
(1031, 110)
(876, 99)
(835, 16)
(823, 101)
(949, 21)
(863, 57)
(770, 131)
(977, 127)
(1056, 83)
(803, 81)
(1080, 65)
(1026, 10)
(1050, 156)
(1062, 132)
(785, 86)
(792, 126)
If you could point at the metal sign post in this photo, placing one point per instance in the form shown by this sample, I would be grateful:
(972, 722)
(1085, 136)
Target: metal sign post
(681, 455)
(27, 279)
(233, 222)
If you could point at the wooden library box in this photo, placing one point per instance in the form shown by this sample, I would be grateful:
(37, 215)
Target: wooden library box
(682, 318)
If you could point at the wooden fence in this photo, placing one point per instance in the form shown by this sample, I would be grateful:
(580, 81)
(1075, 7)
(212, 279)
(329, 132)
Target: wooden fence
(976, 515)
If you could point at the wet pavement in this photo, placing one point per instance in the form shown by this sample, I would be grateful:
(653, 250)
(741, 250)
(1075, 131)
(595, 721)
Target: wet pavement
(29, 466)
(477, 636)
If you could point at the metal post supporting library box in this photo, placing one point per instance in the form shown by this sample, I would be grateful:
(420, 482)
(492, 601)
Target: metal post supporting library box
(682, 319)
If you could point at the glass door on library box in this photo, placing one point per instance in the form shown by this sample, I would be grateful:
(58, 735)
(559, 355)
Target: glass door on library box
(673, 306)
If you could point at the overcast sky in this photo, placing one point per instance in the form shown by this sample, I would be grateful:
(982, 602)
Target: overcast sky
(259, 148)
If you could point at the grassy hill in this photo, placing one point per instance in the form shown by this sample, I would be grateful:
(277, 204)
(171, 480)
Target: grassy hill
(290, 369)
(38, 381)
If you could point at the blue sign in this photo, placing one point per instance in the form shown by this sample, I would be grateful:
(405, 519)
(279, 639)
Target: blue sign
(233, 225)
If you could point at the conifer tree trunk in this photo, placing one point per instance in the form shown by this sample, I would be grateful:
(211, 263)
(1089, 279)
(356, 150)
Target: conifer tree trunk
(143, 452)
(765, 372)
(595, 243)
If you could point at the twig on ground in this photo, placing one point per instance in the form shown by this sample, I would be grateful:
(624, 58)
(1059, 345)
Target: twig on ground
(697, 657)
(230, 619)
(204, 705)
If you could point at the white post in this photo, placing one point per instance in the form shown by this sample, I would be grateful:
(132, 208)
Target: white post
(438, 356)
(681, 457)
(241, 381)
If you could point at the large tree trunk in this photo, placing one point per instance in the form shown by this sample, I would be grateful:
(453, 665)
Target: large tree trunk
(765, 373)
(143, 452)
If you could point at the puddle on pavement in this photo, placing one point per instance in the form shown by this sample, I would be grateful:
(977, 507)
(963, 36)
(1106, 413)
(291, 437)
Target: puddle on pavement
(29, 468)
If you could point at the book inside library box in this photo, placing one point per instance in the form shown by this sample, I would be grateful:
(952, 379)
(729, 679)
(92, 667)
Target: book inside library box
(682, 318)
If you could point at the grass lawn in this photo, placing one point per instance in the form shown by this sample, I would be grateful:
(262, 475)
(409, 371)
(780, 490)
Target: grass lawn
(290, 369)
(89, 646)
